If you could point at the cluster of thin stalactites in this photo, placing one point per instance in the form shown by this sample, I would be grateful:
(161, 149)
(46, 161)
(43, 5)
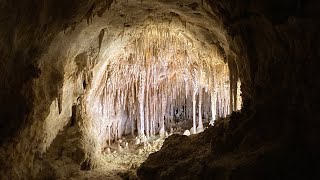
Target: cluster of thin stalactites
(162, 76)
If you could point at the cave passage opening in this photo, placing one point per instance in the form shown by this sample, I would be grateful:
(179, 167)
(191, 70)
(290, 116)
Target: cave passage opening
(161, 84)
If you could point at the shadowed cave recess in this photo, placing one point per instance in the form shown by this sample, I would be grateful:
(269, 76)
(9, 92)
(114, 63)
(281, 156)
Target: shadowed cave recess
(159, 89)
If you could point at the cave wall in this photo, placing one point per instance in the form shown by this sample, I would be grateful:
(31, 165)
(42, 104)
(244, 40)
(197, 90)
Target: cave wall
(27, 30)
(278, 44)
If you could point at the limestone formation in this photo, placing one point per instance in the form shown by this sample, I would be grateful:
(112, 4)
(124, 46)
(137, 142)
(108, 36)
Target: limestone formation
(79, 76)
(187, 133)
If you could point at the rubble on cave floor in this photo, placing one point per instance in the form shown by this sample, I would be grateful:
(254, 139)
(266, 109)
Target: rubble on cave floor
(130, 152)
(120, 160)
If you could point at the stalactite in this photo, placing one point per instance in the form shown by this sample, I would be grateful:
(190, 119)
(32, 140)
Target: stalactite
(147, 108)
(101, 36)
(200, 124)
(194, 111)
(239, 99)
(157, 79)
(141, 102)
(60, 102)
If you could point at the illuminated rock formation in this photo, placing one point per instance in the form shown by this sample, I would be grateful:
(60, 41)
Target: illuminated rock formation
(76, 76)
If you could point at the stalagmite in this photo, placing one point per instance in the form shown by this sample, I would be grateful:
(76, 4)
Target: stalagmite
(137, 141)
(120, 149)
(187, 133)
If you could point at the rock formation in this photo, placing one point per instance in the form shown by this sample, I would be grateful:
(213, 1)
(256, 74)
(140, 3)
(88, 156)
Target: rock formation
(78, 75)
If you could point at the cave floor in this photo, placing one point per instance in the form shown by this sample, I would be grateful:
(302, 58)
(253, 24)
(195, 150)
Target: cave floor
(65, 170)
(120, 160)
(117, 161)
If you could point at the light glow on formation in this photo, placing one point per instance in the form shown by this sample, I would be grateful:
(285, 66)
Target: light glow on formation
(160, 77)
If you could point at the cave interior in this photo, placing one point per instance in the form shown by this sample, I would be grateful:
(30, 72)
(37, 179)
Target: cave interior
(159, 89)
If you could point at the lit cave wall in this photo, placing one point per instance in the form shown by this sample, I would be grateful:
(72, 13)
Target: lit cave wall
(155, 79)
(78, 75)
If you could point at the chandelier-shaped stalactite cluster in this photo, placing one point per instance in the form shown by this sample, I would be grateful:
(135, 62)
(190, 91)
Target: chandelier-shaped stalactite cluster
(160, 77)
